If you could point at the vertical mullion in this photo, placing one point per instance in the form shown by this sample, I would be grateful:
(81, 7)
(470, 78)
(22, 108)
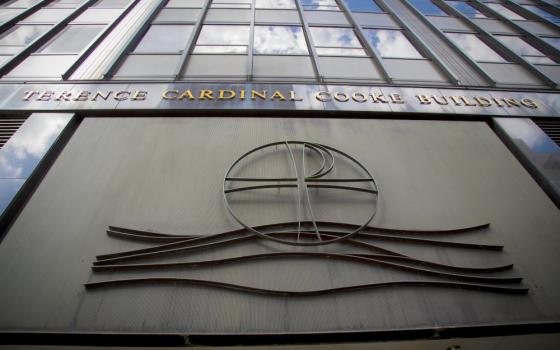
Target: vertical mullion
(24, 14)
(85, 53)
(367, 46)
(309, 39)
(189, 47)
(251, 42)
(419, 42)
(43, 39)
(121, 57)
(496, 43)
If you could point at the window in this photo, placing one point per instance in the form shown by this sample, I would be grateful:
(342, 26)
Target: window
(231, 4)
(275, 4)
(279, 40)
(363, 6)
(504, 11)
(427, 8)
(391, 43)
(21, 3)
(336, 42)
(65, 3)
(523, 49)
(475, 48)
(544, 14)
(320, 5)
(73, 39)
(165, 39)
(552, 41)
(223, 39)
(466, 9)
(22, 35)
(112, 3)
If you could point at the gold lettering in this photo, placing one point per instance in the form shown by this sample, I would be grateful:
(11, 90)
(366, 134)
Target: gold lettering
(527, 102)
(45, 96)
(186, 94)
(323, 96)
(466, 101)
(483, 101)
(121, 95)
(498, 103)
(293, 96)
(378, 98)
(512, 102)
(64, 95)
(27, 95)
(424, 99)
(359, 97)
(139, 95)
(170, 94)
(344, 97)
(205, 94)
(100, 94)
(278, 94)
(440, 100)
(259, 94)
(456, 100)
(82, 96)
(396, 98)
(223, 96)
(242, 94)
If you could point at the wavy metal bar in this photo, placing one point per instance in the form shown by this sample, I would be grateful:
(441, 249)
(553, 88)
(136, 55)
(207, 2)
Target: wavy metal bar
(353, 258)
(230, 286)
(247, 188)
(349, 188)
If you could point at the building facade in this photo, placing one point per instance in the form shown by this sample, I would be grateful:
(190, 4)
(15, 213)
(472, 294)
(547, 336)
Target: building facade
(256, 172)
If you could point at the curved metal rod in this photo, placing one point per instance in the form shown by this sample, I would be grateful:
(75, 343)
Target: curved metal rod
(262, 179)
(230, 286)
(321, 173)
(247, 188)
(370, 260)
(349, 188)
(321, 154)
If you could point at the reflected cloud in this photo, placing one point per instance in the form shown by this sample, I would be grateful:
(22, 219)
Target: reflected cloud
(275, 4)
(29, 144)
(391, 43)
(466, 9)
(22, 35)
(320, 5)
(335, 37)
(279, 40)
(475, 47)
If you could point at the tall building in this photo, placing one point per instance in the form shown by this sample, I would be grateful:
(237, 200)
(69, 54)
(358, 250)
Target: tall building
(379, 173)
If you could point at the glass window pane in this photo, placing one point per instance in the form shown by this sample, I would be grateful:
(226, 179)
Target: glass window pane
(185, 3)
(466, 9)
(177, 15)
(552, 41)
(73, 39)
(112, 3)
(427, 7)
(165, 39)
(220, 49)
(21, 3)
(333, 51)
(475, 48)
(22, 35)
(363, 6)
(539, 60)
(544, 14)
(391, 43)
(321, 5)
(504, 11)
(279, 40)
(275, 4)
(49, 15)
(518, 45)
(334, 37)
(223, 35)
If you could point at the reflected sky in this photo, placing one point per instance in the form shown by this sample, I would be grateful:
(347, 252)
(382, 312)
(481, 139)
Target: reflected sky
(279, 40)
(223, 35)
(391, 43)
(275, 4)
(552, 41)
(542, 13)
(28, 145)
(524, 129)
(320, 5)
(73, 39)
(363, 6)
(522, 48)
(21, 3)
(428, 8)
(25, 149)
(22, 35)
(165, 39)
(475, 48)
(466, 9)
(334, 37)
(504, 11)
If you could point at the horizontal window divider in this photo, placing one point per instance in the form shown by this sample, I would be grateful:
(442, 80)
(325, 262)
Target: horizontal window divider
(156, 53)
(54, 54)
(280, 55)
(24, 14)
(408, 58)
